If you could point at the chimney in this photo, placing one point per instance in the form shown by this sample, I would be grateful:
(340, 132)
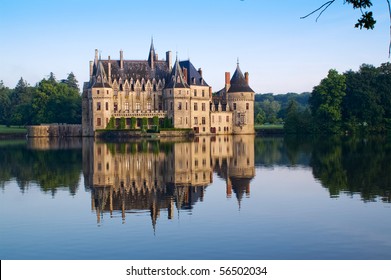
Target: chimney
(168, 60)
(246, 77)
(227, 81)
(156, 57)
(121, 57)
(91, 68)
(210, 92)
(200, 71)
(109, 69)
(227, 78)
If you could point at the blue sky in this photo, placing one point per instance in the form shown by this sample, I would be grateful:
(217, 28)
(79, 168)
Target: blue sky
(281, 52)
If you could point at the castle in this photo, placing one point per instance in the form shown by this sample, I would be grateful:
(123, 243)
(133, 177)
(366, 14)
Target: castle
(137, 93)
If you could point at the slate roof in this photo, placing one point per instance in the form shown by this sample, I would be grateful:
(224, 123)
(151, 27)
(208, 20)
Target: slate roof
(176, 79)
(238, 82)
(193, 76)
(137, 69)
(100, 80)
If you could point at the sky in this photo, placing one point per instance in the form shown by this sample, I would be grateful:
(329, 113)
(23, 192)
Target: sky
(281, 52)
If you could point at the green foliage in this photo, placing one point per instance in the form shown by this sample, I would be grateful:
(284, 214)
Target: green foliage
(326, 103)
(47, 102)
(55, 102)
(297, 121)
(267, 111)
(122, 123)
(167, 123)
(144, 124)
(5, 103)
(71, 81)
(365, 21)
(366, 106)
(260, 117)
(133, 123)
(111, 124)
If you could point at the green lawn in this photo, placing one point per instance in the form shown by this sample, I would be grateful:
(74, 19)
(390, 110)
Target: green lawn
(12, 129)
(269, 126)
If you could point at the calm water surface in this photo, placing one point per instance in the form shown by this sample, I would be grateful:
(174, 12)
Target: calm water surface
(213, 198)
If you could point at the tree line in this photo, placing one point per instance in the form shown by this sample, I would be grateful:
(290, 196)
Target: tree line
(352, 102)
(49, 101)
(272, 108)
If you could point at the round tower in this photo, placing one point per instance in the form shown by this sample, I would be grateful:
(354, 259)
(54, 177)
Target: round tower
(240, 98)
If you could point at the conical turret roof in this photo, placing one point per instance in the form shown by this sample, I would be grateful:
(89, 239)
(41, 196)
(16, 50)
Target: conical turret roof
(100, 77)
(238, 82)
(176, 79)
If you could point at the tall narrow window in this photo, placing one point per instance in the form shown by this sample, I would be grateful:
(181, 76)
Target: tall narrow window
(203, 106)
(234, 106)
(195, 106)
(98, 106)
(247, 106)
(107, 106)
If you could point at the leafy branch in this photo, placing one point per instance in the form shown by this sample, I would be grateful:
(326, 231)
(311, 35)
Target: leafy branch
(366, 20)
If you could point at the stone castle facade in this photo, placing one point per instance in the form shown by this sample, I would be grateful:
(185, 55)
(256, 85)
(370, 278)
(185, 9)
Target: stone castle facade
(137, 91)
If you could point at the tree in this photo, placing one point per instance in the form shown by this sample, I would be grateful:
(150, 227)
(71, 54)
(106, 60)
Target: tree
(366, 106)
(325, 102)
(271, 109)
(71, 81)
(111, 124)
(21, 99)
(133, 122)
(122, 123)
(260, 117)
(366, 20)
(155, 121)
(55, 102)
(5, 103)
(362, 105)
(292, 118)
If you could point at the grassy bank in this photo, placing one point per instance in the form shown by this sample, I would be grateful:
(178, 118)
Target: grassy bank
(12, 130)
(269, 129)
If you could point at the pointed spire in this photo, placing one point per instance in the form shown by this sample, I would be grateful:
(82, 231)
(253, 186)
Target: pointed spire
(152, 55)
(238, 81)
(177, 78)
(100, 76)
(152, 47)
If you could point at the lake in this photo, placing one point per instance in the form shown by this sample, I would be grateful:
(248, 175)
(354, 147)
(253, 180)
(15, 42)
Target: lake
(223, 197)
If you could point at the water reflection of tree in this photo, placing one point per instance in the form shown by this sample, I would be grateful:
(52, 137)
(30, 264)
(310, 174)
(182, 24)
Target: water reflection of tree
(342, 164)
(354, 165)
(50, 169)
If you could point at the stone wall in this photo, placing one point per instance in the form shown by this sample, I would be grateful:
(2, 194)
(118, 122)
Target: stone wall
(54, 130)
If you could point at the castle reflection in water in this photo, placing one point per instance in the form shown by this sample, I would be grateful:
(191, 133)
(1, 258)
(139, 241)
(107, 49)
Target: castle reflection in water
(162, 175)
